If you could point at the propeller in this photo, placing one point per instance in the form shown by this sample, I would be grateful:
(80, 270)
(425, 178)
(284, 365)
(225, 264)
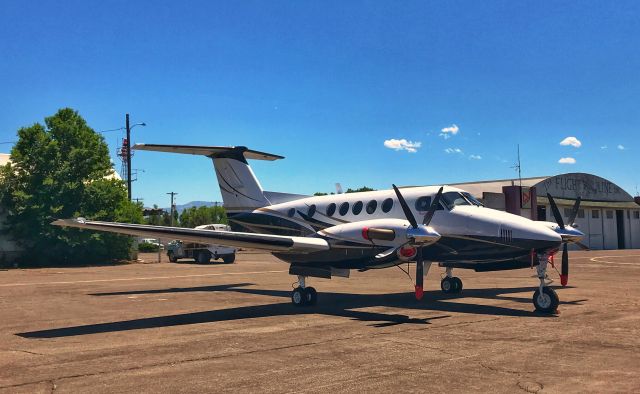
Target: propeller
(414, 224)
(564, 270)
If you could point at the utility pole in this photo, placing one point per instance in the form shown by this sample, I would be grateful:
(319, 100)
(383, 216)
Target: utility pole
(128, 157)
(173, 207)
(138, 199)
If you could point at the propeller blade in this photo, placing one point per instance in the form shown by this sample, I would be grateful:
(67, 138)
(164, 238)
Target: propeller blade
(564, 271)
(405, 207)
(574, 212)
(419, 274)
(556, 211)
(432, 209)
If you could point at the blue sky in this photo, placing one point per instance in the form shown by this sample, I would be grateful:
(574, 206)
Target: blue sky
(327, 83)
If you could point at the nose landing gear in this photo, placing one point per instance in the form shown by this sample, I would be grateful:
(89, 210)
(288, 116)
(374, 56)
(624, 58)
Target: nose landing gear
(545, 299)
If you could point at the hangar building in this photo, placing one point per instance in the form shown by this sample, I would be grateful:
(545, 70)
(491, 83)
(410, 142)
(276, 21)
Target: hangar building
(608, 215)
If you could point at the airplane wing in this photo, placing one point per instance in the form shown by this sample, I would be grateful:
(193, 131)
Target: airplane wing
(274, 243)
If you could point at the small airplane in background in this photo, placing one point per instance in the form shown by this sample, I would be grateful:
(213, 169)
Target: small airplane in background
(326, 236)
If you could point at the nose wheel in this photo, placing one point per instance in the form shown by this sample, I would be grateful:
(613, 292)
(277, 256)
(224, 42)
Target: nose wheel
(451, 285)
(545, 299)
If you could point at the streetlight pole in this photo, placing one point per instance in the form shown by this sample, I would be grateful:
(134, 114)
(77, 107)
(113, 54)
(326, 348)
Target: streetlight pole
(172, 206)
(128, 157)
(128, 128)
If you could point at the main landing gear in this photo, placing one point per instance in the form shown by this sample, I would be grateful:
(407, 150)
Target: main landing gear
(304, 295)
(545, 298)
(451, 284)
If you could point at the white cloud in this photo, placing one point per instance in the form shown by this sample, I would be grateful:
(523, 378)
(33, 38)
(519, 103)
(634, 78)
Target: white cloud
(453, 150)
(475, 157)
(603, 147)
(403, 144)
(567, 160)
(621, 147)
(450, 131)
(573, 141)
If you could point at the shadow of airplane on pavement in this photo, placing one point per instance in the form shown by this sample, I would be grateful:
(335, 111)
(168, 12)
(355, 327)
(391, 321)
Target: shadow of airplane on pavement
(330, 304)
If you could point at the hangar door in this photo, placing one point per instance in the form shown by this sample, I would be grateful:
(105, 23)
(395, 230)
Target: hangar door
(596, 239)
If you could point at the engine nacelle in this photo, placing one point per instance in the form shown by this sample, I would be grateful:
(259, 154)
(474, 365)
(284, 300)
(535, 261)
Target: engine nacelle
(382, 232)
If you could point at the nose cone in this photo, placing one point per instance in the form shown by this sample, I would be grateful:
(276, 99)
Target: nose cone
(568, 233)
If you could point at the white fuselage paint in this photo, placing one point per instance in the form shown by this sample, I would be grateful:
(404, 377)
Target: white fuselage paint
(462, 220)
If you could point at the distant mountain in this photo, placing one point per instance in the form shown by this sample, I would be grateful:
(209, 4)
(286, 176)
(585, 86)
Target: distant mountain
(197, 204)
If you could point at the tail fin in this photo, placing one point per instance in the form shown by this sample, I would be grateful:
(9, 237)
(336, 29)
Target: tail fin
(239, 186)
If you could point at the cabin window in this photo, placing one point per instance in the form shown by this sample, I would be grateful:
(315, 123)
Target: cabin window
(423, 203)
(312, 210)
(331, 209)
(387, 205)
(291, 212)
(595, 214)
(371, 206)
(344, 208)
(357, 208)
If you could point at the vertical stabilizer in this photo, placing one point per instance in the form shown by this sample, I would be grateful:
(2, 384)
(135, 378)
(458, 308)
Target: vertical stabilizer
(239, 186)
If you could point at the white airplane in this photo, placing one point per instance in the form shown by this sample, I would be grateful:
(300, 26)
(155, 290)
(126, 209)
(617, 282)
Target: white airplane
(325, 236)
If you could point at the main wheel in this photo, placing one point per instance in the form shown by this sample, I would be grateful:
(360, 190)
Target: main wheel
(457, 285)
(229, 258)
(447, 285)
(204, 256)
(311, 296)
(172, 257)
(547, 301)
(298, 296)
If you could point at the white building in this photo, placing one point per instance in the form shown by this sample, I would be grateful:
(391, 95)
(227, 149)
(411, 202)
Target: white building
(608, 215)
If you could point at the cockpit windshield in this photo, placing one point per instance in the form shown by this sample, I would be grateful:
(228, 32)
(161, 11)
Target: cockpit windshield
(453, 199)
(472, 199)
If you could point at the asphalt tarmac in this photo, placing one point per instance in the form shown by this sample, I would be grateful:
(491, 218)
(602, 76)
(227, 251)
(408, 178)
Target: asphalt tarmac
(188, 327)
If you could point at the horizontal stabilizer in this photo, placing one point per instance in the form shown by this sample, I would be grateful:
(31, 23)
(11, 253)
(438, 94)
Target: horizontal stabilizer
(272, 243)
(211, 151)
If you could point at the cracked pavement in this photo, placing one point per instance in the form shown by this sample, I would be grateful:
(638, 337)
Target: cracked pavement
(228, 328)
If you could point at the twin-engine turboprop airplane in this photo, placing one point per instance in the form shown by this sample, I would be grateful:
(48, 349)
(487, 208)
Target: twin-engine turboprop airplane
(325, 236)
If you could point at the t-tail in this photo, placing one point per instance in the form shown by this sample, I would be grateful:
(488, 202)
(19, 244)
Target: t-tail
(241, 191)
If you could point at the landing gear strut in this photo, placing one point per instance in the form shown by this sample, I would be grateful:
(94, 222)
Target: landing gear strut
(451, 284)
(304, 295)
(545, 298)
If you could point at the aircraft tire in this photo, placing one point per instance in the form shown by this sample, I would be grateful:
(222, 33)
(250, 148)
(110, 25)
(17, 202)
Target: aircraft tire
(298, 297)
(311, 296)
(457, 285)
(547, 302)
(446, 284)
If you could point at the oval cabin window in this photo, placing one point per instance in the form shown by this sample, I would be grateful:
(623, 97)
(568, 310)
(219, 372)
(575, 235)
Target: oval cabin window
(344, 208)
(387, 205)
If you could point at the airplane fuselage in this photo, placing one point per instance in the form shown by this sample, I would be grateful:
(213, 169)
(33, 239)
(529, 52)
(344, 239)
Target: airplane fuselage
(470, 232)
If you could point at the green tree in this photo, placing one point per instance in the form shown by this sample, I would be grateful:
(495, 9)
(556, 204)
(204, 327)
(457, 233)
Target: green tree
(60, 170)
(193, 216)
(361, 189)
